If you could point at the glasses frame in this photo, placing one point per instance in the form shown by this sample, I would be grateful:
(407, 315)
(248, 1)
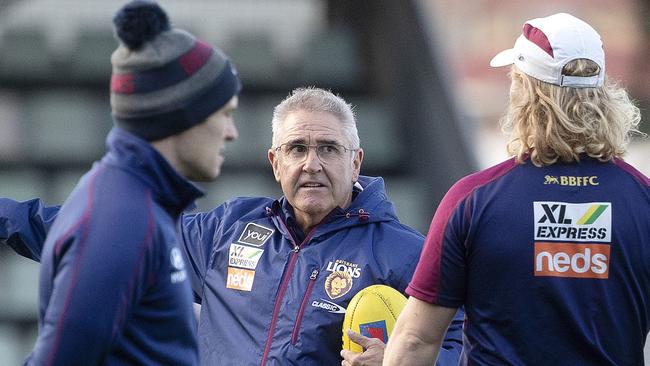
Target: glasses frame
(315, 147)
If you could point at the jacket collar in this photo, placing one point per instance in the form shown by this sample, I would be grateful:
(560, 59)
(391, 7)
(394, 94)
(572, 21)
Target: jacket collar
(369, 204)
(172, 191)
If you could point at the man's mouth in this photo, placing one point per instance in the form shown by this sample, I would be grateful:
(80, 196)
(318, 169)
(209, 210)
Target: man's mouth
(311, 185)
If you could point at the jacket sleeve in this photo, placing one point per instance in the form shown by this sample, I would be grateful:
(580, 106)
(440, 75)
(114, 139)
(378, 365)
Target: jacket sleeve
(24, 225)
(452, 346)
(453, 343)
(199, 233)
(98, 276)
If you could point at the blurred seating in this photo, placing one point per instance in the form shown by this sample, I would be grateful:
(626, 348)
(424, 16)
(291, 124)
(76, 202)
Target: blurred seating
(255, 58)
(379, 133)
(253, 120)
(66, 125)
(89, 60)
(235, 184)
(331, 57)
(403, 192)
(11, 345)
(21, 184)
(18, 301)
(24, 54)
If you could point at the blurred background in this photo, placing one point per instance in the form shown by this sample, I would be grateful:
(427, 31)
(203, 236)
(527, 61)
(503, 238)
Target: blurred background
(417, 71)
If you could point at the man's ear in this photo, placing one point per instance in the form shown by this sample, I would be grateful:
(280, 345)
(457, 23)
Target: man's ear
(273, 160)
(356, 164)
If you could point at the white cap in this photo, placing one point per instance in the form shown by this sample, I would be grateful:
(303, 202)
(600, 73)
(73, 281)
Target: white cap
(548, 44)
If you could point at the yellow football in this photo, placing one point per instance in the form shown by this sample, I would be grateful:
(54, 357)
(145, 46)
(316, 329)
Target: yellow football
(372, 312)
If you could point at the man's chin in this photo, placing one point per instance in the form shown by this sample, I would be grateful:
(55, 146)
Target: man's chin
(313, 207)
(204, 175)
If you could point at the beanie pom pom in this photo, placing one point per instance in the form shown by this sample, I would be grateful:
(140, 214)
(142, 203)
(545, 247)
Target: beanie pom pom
(140, 21)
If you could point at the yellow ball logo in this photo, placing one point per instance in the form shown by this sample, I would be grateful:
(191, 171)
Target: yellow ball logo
(372, 312)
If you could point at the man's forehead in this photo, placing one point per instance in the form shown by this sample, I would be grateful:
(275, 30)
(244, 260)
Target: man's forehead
(312, 126)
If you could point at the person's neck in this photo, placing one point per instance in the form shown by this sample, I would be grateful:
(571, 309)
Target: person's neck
(306, 222)
(166, 148)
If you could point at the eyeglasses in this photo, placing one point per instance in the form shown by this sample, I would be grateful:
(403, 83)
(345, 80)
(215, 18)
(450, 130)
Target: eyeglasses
(327, 153)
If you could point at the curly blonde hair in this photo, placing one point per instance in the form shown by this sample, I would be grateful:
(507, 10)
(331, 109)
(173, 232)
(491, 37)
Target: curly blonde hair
(551, 123)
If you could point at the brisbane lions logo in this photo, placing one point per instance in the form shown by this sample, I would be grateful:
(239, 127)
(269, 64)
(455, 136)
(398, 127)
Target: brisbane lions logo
(549, 179)
(337, 284)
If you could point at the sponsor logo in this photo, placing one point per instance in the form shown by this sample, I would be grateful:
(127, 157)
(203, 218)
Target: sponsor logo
(240, 279)
(572, 260)
(572, 181)
(344, 266)
(255, 235)
(243, 256)
(573, 221)
(176, 259)
(337, 284)
(375, 330)
(329, 306)
(549, 179)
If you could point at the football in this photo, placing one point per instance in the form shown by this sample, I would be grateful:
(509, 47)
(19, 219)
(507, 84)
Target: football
(372, 312)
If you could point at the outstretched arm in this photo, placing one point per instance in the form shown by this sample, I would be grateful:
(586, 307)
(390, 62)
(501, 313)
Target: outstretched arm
(24, 225)
(418, 334)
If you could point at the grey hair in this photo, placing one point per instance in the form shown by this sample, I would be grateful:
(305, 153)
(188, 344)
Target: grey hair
(313, 99)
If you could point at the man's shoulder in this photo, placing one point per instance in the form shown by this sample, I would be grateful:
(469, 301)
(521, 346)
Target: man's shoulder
(475, 181)
(249, 204)
(239, 208)
(398, 235)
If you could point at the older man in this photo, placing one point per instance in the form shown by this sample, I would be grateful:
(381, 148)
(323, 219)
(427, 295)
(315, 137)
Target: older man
(265, 270)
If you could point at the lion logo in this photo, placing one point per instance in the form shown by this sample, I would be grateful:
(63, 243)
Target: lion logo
(337, 284)
(549, 179)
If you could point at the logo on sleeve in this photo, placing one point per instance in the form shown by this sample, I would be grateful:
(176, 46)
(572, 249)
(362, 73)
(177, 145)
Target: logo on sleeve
(573, 221)
(255, 235)
(178, 266)
(243, 256)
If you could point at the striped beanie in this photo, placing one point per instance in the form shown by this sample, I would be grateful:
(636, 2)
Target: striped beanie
(164, 80)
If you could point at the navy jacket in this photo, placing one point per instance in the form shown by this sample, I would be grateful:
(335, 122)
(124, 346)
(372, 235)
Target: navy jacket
(270, 294)
(113, 285)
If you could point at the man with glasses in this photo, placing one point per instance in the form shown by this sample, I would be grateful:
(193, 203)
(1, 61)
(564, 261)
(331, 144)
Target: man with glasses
(274, 277)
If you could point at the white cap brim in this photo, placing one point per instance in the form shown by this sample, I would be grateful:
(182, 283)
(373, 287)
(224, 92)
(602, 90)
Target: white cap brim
(503, 58)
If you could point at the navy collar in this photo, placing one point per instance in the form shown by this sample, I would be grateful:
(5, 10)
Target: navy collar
(172, 191)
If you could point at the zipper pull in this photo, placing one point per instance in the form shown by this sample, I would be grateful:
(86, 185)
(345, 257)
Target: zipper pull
(314, 274)
(296, 248)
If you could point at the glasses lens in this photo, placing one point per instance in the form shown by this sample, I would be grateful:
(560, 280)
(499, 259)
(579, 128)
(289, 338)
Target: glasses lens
(295, 152)
(330, 152)
(325, 152)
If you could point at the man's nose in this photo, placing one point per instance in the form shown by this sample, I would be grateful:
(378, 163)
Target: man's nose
(231, 133)
(312, 162)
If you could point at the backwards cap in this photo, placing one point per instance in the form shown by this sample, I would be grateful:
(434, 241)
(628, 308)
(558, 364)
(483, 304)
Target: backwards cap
(164, 80)
(548, 44)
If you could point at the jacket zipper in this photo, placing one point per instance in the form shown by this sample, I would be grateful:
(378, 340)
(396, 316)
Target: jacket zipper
(283, 288)
(303, 304)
